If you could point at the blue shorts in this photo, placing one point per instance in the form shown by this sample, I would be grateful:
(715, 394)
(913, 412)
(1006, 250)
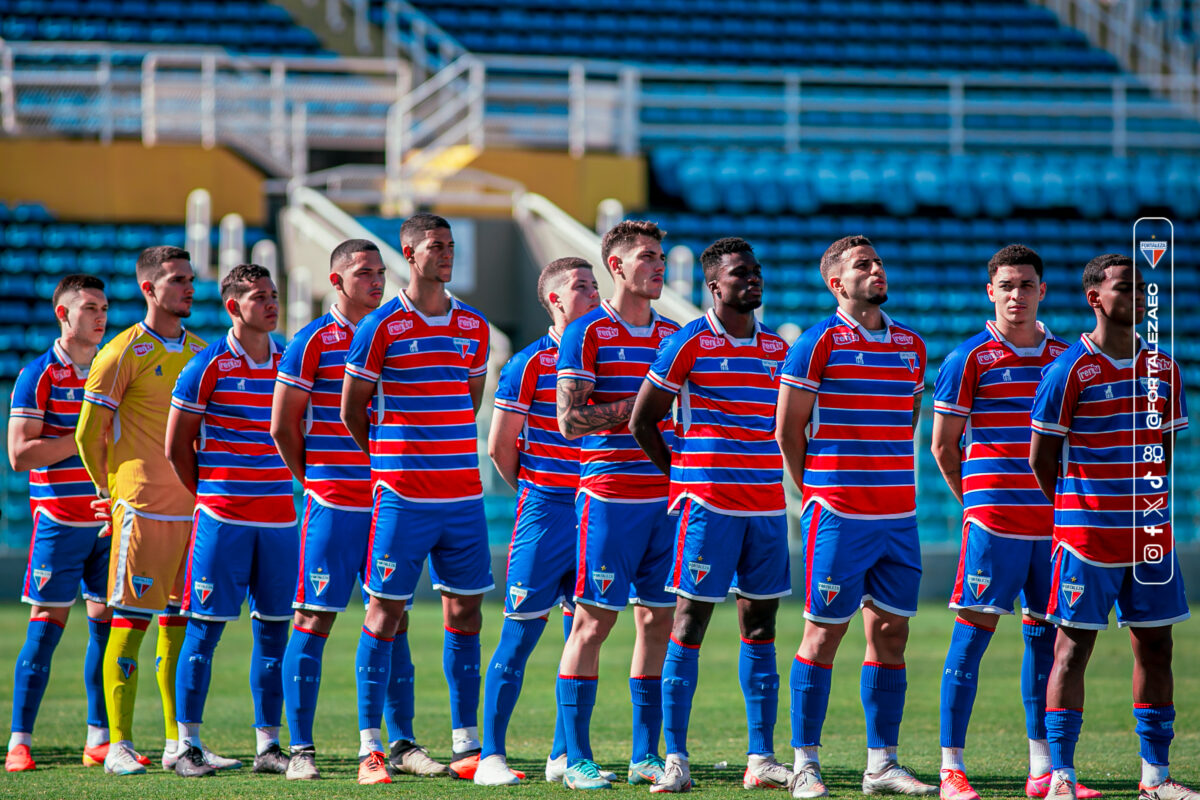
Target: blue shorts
(854, 561)
(64, 560)
(1082, 594)
(993, 570)
(624, 553)
(715, 552)
(229, 562)
(453, 535)
(333, 552)
(541, 558)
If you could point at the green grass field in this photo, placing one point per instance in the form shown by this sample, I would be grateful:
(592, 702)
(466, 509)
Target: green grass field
(1107, 756)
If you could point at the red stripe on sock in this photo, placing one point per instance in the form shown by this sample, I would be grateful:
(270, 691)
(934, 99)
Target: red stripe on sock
(1151, 705)
(127, 622)
(461, 633)
(171, 621)
(377, 636)
(579, 677)
(100, 621)
(681, 644)
(61, 625)
(646, 677)
(881, 665)
(962, 621)
(298, 629)
(1035, 623)
(1048, 710)
(758, 641)
(803, 660)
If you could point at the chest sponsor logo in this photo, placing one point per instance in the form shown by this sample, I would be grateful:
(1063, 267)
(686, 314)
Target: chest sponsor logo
(141, 348)
(60, 373)
(331, 337)
(1087, 373)
(988, 357)
(699, 570)
(902, 338)
(828, 591)
(771, 366)
(910, 360)
(384, 569)
(228, 364)
(711, 342)
(548, 359)
(203, 590)
(1056, 350)
(463, 345)
(664, 331)
(518, 595)
(1072, 592)
(41, 577)
(468, 323)
(772, 346)
(140, 584)
(319, 581)
(978, 584)
(1158, 363)
(606, 333)
(399, 326)
(603, 579)
(845, 337)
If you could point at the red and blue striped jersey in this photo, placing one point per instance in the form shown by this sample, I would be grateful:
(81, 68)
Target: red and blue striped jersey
(336, 472)
(50, 389)
(602, 349)
(242, 477)
(726, 457)
(991, 383)
(549, 462)
(1113, 414)
(860, 456)
(423, 442)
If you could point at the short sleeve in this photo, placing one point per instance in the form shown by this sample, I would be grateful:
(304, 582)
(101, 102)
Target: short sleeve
(108, 377)
(806, 360)
(1055, 400)
(672, 363)
(1178, 419)
(479, 363)
(517, 383)
(298, 367)
(577, 353)
(31, 392)
(957, 379)
(364, 359)
(919, 384)
(193, 387)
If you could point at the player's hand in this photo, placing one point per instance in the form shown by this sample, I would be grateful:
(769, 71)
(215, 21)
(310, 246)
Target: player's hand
(102, 508)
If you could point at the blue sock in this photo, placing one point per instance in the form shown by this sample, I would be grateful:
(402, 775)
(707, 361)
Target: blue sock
(960, 680)
(460, 662)
(93, 671)
(681, 670)
(505, 674)
(559, 747)
(372, 664)
(1035, 674)
(302, 682)
(760, 688)
(1062, 732)
(810, 700)
(33, 671)
(194, 669)
(266, 673)
(646, 693)
(576, 699)
(882, 688)
(1155, 728)
(400, 702)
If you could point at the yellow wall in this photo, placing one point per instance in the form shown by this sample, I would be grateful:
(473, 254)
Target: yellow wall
(127, 182)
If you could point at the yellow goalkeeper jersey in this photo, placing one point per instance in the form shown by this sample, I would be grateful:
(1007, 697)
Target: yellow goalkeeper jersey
(132, 377)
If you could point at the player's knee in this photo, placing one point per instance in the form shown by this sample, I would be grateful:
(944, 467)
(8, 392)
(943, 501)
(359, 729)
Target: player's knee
(463, 613)
(1072, 652)
(758, 619)
(315, 621)
(1153, 648)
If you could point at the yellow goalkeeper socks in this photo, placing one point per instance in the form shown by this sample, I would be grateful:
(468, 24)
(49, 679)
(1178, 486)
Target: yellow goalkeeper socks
(171, 630)
(120, 673)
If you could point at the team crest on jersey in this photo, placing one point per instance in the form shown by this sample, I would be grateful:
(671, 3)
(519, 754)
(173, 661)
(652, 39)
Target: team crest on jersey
(711, 342)
(319, 580)
(1087, 373)
(902, 338)
(772, 346)
(127, 666)
(228, 364)
(699, 570)
(845, 337)
(978, 584)
(770, 365)
(464, 346)
(141, 348)
(829, 591)
(140, 584)
(385, 569)
(988, 357)
(468, 323)
(42, 577)
(518, 595)
(606, 333)
(60, 373)
(399, 326)
(910, 360)
(331, 337)
(602, 579)
(1057, 350)
(203, 590)
(1153, 250)
(1072, 591)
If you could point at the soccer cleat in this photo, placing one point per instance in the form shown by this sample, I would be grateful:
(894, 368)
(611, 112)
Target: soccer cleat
(19, 759)
(170, 754)
(412, 759)
(1167, 790)
(585, 774)
(121, 760)
(463, 765)
(219, 762)
(807, 783)
(93, 755)
(955, 786)
(192, 764)
(557, 767)
(895, 779)
(676, 777)
(302, 766)
(272, 761)
(1038, 787)
(764, 772)
(373, 769)
(494, 771)
(648, 770)
(1061, 789)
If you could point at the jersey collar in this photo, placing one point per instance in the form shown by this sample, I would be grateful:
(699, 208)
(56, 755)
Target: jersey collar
(554, 335)
(612, 314)
(64, 358)
(171, 346)
(432, 321)
(340, 318)
(236, 348)
(1092, 349)
(994, 331)
(851, 322)
(714, 324)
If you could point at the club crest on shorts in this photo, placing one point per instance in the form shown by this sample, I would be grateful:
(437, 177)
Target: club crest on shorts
(41, 577)
(602, 579)
(978, 584)
(203, 590)
(319, 581)
(829, 591)
(1072, 592)
(698, 569)
(140, 584)
(385, 569)
(518, 595)
(127, 666)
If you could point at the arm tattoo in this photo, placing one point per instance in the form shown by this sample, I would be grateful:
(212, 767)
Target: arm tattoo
(581, 418)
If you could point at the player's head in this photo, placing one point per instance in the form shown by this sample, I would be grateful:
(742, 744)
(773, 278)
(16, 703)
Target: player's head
(1114, 289)
(567, 289)
(165, 275)
(1015, 283)
(733, 274)
(81, 308)
(428, 246)
(250, 297)
(632, 253)
(853, 271)
(357, 273)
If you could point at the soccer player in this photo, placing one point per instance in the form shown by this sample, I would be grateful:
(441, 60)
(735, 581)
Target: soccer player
(69, 551)
(244, 530)
(726, 483)
(848, 407)
(988, 383)
(336, 476)
(1104, 423)
(624, 533)
(543, 467)
(122, 428)
(423, 358)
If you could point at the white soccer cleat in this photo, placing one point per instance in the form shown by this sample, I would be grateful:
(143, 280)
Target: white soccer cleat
(556, 768)
(173, 750)
(1061, 788)
(121, 760)
(764, 772)
(807, 783)
(1167, 790)
(494, 771)
(895, 779)
(676, 777)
